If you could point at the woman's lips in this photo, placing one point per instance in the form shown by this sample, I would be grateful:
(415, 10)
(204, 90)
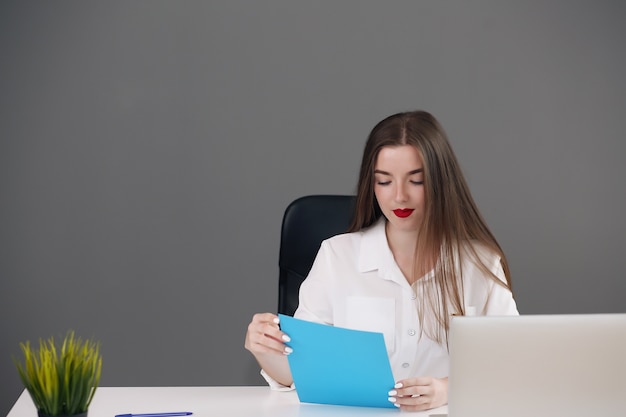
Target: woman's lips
(402, 213)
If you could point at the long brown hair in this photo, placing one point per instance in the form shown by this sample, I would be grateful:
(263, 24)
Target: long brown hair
(452, 227)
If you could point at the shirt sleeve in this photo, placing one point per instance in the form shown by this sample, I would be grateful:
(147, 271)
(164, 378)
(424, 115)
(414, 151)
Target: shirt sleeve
(500, 301)
(274, 385)
(315, 303)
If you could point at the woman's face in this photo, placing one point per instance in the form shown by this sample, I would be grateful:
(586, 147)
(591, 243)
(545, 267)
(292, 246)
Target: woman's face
(399, 186)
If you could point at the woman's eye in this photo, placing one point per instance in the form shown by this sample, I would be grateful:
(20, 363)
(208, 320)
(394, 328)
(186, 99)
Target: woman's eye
(383, 182)
(417, 182)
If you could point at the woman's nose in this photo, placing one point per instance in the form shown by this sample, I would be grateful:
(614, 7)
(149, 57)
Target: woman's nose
(401, 194)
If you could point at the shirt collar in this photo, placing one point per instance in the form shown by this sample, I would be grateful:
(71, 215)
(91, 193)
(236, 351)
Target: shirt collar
(375, 255)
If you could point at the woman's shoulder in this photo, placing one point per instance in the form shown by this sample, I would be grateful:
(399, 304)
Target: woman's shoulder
(342, 240)
(353, 240)
(475, 250)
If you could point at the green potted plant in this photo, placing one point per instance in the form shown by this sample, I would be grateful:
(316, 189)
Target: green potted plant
(61, 380)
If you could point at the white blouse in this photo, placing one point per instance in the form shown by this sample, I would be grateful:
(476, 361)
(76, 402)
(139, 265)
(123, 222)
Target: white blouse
(355, 283)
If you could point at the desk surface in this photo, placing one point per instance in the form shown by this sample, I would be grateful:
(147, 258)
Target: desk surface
(211, 402)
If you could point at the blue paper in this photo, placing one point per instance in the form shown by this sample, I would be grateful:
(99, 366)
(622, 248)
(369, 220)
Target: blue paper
(332, 365)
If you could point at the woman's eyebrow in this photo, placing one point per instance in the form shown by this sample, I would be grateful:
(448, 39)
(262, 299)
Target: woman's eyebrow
(415, 171)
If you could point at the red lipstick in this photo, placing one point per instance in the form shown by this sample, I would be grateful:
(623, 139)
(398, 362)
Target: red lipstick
(402, 213)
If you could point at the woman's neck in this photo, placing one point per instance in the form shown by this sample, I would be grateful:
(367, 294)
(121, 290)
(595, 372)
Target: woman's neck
(403, 247)
(402, 244)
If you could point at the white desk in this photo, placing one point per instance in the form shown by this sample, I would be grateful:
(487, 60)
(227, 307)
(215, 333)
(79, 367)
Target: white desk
(212, 402)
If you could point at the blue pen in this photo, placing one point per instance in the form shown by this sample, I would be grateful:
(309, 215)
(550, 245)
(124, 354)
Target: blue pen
(180, 413)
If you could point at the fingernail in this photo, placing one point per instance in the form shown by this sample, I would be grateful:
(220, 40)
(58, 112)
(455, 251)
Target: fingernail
(288, 350)
(276, 320)
(398, 385)
(286, 338)
(393, 392)
(397, 405)
(392, 399)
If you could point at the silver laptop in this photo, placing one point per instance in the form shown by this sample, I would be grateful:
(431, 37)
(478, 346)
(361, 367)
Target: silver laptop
(535, 366)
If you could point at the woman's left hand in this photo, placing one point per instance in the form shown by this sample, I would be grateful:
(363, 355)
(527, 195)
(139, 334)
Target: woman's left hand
(417, 394)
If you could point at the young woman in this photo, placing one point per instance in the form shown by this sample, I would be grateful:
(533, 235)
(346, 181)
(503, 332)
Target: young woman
(417, 253)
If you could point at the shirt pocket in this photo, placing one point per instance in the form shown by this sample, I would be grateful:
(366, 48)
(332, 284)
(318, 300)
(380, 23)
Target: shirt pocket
(373, 314)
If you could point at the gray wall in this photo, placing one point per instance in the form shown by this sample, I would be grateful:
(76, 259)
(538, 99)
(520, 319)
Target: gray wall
(148, 150)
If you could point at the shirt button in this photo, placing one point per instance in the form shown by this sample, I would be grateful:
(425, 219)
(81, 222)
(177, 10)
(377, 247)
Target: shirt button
(411, 332)
(413, 296)
(405, 365)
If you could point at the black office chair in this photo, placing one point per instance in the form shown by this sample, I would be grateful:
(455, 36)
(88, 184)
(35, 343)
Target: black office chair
(306, 223)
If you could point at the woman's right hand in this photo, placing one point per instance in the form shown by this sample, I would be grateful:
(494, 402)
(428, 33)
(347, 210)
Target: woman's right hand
(265, 337)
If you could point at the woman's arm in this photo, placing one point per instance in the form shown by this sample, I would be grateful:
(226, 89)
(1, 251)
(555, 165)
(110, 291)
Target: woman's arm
(500, 300)
(265, 341)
